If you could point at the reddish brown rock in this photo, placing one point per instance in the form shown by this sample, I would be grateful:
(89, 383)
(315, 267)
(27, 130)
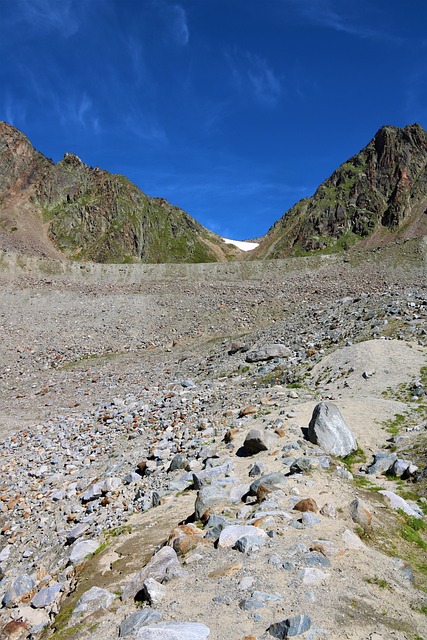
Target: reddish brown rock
(15, 630)
(307, 504)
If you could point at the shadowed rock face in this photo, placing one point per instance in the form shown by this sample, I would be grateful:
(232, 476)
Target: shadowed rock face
(91, 214)
(380, 194)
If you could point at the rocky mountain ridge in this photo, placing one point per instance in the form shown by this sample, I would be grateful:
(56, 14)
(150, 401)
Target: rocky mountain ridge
(72, 210)
(377, 196)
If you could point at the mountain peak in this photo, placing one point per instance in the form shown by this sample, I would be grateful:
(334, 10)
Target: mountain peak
(90, 214)
(377, 196)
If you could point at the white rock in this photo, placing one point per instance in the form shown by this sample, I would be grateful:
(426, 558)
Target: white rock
(312, 576)
(396, 502)
(352, 541)
(174, 631)
(81, 550)
(229, 535)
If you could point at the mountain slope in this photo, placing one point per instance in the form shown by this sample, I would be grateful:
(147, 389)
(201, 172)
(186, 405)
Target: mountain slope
(377, 196)
(90, 214)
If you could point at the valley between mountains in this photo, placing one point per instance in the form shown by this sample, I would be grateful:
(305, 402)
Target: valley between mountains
(157, 475)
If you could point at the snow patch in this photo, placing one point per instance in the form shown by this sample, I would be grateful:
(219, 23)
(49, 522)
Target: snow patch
(244, 246)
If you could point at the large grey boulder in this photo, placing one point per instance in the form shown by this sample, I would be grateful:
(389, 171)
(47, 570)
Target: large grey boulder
(328, 430)
(269, 352)
(209, 497)
(163, 566)
(93, 600)
(133, 623)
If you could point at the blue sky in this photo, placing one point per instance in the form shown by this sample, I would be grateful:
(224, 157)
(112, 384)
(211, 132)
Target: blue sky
(231, 109)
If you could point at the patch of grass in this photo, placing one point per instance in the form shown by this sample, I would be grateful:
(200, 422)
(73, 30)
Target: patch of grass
(118, 531)
(380, 582)
(395, 425)
(411, 528)
(363, 482)
(413, 536)
(352, 458)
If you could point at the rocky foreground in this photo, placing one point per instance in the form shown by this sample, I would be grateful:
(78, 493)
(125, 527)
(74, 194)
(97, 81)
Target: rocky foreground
(162, 475)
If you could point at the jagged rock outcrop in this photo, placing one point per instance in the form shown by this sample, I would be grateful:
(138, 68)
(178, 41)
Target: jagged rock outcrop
(90, 214)
(379, 195)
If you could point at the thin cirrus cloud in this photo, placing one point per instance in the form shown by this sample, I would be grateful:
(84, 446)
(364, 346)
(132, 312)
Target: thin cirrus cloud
(15, 111)
(175, 21)
(52, 15)
(77, 110)
(343, 18)
(144, 126)
(251, 74)
(179, 25)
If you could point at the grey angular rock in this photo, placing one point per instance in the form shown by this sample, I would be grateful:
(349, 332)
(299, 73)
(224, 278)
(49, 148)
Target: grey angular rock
(208, 497)
(269, 480)
(246, 544)
(132, 624)
(174, 631)
(46, 596)
(230, 535)
(81, 550)
(399, 467)
(294, 626)
(309, 519)
(382, 462)
(93, 600)
(19, 588)
(257, 469)
(259, 440)
(360, 513)
(92, 492)
(76, 532)
(328, 430)
(154, 592)
(163, 566)
(305, 463)
(269, 352)
(178, 462)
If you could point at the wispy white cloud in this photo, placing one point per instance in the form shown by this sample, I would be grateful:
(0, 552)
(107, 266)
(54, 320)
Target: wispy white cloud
(144, 127)
(265, 84)
(62, 16)
(15, 112)
(252, 74)
(136, 55)
(174, 21)
(345, 18)
(179, 25)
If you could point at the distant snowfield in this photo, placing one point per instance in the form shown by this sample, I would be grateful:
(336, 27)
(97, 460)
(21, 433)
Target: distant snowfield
(244, 246)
